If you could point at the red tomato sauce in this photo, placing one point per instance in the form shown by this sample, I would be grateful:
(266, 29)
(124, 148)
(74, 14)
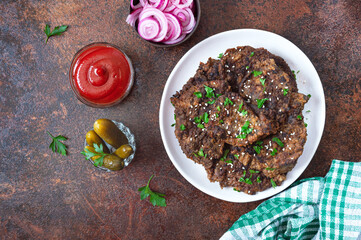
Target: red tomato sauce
(101, 74)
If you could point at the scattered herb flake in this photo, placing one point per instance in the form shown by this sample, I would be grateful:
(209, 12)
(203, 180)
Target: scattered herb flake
(182, 127)
(308, 111)
(260, 102)
(201, 153)
(218, 95)
(299, 117)
(309, 95)
(256, 73)
(306, 124)
(259, 143)
(198, 94)
(294, 74)
(224, 155)
(217, 115)
(274, 185)
(278, 141)
(200, 126)
(228, 102)
(257, 149)
(262, 80)
(270, 169)
(209, 92)
(220, 55)
(197, 120)
(205, 117)
(274, 151)
(236, 190)
(253, 171)
(172, 125)
(228, 161)
(221, 121)
(56, 145)
(252, 53)
(211, 102)
(157, 199)
(240, 107)
(56, 31)
(244, 113)
(218, 108)
(236, 156)
(285, 91)
(258, 179)
(247, 67)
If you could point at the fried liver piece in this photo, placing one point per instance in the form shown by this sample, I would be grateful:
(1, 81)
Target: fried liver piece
(239, 124)
(191, 105)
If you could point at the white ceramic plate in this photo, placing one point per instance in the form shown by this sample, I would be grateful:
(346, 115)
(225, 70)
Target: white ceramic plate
(308, 82)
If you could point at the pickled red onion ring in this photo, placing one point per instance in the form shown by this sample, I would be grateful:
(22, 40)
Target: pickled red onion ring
(166, 21)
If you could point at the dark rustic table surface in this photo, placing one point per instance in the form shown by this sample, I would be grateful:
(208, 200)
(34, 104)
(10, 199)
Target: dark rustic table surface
(44, 195)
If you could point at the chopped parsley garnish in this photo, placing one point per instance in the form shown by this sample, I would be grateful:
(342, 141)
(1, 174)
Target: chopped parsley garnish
(244, 113)
(274, 185)
(236, 190)
(201, 153)
(200, 126)
(218, 108)
(309, 95)
(285, 91)
(258, 179)
(298, 71)
(306, 124)
(209, 91)
(299, 117)
(244, 173)
(247, 67)
(211, 102)
(308, 111)
(278, 141)
(247, 180)
(236, 156)
(262, 80)
(218, 95)
(240, 107)
(172, 125)
(253, 171)
(182, 127)
(260, 102)
(217, 115)
(220, 55)
(274, 151)
(256, 73)
(175, 117)
(198, 94)
(205, 117)
(228, 101)
(259, 143)
(224, 155)
(245, 130)
(294, 74)
(197, 120)
(252, 53)
(221, 121)
(257, 149)
(228, 161)
(157, 199)
(270, 169)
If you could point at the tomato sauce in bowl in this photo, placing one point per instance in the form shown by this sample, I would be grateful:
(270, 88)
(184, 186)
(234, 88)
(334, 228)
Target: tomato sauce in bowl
(101, 75)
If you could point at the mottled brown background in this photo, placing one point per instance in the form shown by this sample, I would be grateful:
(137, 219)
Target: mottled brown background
(47, 196)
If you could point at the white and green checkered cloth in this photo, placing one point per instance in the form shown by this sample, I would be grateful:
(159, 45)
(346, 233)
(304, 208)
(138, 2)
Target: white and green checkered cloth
(313, 208)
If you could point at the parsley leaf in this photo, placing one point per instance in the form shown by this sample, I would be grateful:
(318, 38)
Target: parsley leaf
(306, 124)
(244, 113)
(258, 179)
(236, 156)
(245, 130)
(262, 80)
(56, 145)
(285, 91)
(197, 120)
(257, 149)
(260, 102)
(56, 31)
(240, 107)
(270, 169)
(247, 180)
(236, 190)
(220, 55)
(172, 125)
(221, 121)
(205, 117)
(228, 101)
(182, 127)
(224, 155)
(274, 185)
(257, 73)
(218, 108)
(309, 95)
(274, 151)
(247, 67)
(278, 141)
(198, 94)
(308, 111)
(157, 199)
(201, 153)
(229, 161)
(211, 102)
(209, 92)
(97, 156)
(252, 53)
(200, 126)
(253, 171)
(294, 74)
(299, 117)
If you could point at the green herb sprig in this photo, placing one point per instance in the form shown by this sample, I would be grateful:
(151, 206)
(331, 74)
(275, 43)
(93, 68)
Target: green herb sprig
(56, 31)
(260, 102)
(99, 153)
(157, 199)
(57, 146)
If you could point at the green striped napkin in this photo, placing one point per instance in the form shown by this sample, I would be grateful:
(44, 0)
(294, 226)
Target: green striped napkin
(313, 208)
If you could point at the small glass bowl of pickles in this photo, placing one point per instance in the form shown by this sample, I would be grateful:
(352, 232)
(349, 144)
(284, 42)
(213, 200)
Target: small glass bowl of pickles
(110, 146)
